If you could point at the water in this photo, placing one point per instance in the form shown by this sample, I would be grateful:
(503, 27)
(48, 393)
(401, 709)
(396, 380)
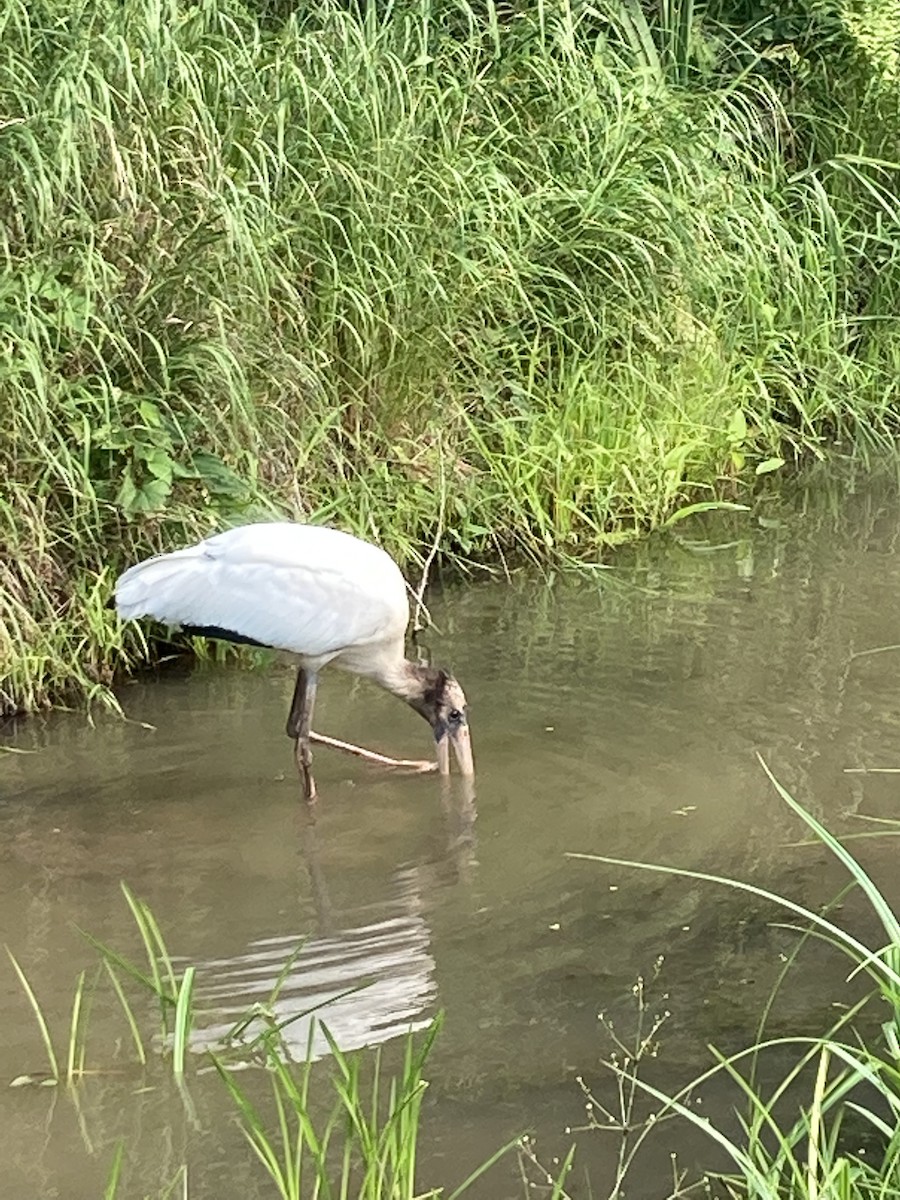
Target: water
(620, 715)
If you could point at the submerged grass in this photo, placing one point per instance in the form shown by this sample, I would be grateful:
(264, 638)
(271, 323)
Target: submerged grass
(829, 1129)
(353, 1130)
(440, 273)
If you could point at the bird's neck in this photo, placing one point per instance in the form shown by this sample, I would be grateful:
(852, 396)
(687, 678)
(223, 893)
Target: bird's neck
(389, 667)
(418, 685)
(402, 677)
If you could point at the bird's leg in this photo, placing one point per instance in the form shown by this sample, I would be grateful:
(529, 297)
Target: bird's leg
(410, 764)
(299, 725)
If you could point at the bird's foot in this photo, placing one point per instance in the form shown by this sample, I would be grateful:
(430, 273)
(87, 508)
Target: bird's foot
(304, 766)
(415, 765)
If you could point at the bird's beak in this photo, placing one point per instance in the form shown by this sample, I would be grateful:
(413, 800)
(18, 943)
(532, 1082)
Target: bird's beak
(462, 749)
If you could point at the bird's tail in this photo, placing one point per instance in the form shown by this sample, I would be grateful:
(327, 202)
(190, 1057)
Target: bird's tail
(148, 588)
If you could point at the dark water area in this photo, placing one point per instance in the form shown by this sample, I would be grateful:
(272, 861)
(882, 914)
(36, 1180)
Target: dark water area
(619, 713)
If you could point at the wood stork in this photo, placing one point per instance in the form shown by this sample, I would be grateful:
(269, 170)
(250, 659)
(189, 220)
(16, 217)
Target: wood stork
(326, 596)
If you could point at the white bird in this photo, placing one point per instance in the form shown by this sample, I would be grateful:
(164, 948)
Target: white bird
(324, 595)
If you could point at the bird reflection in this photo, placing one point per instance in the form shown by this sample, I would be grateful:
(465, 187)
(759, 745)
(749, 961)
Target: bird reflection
(459, 861)
(368, 983)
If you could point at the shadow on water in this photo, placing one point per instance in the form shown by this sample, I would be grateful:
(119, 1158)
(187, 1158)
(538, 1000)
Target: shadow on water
(620, 714)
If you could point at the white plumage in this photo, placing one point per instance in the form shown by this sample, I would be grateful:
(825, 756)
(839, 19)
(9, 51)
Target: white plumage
(323, 595)
(305, 588)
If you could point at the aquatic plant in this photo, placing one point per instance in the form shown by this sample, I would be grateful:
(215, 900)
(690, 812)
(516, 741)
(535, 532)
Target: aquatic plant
(364, 1142)
(829, 1128)
(376, 1130)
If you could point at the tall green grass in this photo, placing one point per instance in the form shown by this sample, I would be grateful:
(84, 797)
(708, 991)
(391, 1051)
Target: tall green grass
(829, 1127)
(518, 283)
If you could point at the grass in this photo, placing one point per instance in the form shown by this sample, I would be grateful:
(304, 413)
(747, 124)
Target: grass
(514, 285)
(352, 1132)
(367, 1146)
(249, 1040)
(829, 1128)
(172, 994)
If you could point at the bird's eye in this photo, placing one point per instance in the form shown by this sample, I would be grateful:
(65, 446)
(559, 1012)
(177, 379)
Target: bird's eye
(454, 715)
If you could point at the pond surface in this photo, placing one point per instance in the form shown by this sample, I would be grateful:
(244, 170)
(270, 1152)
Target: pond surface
(620, 714)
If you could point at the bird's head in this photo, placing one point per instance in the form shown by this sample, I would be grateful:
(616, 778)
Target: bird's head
(442, 702)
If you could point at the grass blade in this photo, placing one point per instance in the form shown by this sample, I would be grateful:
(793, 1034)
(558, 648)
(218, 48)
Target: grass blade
(38, 1016)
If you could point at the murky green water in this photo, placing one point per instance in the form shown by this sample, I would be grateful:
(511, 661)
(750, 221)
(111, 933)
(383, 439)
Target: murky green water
(621, 716)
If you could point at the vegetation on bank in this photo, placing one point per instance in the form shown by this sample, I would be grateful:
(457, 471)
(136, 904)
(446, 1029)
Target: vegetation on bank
(509, 280)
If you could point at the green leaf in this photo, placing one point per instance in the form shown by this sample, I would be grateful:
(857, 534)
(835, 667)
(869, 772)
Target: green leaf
(159, 462)
(108, 437)
(737, 426)
(769, 464)
(149, 497)
(218, 478)
(704, 506)
(150, 414)
(675, 458)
